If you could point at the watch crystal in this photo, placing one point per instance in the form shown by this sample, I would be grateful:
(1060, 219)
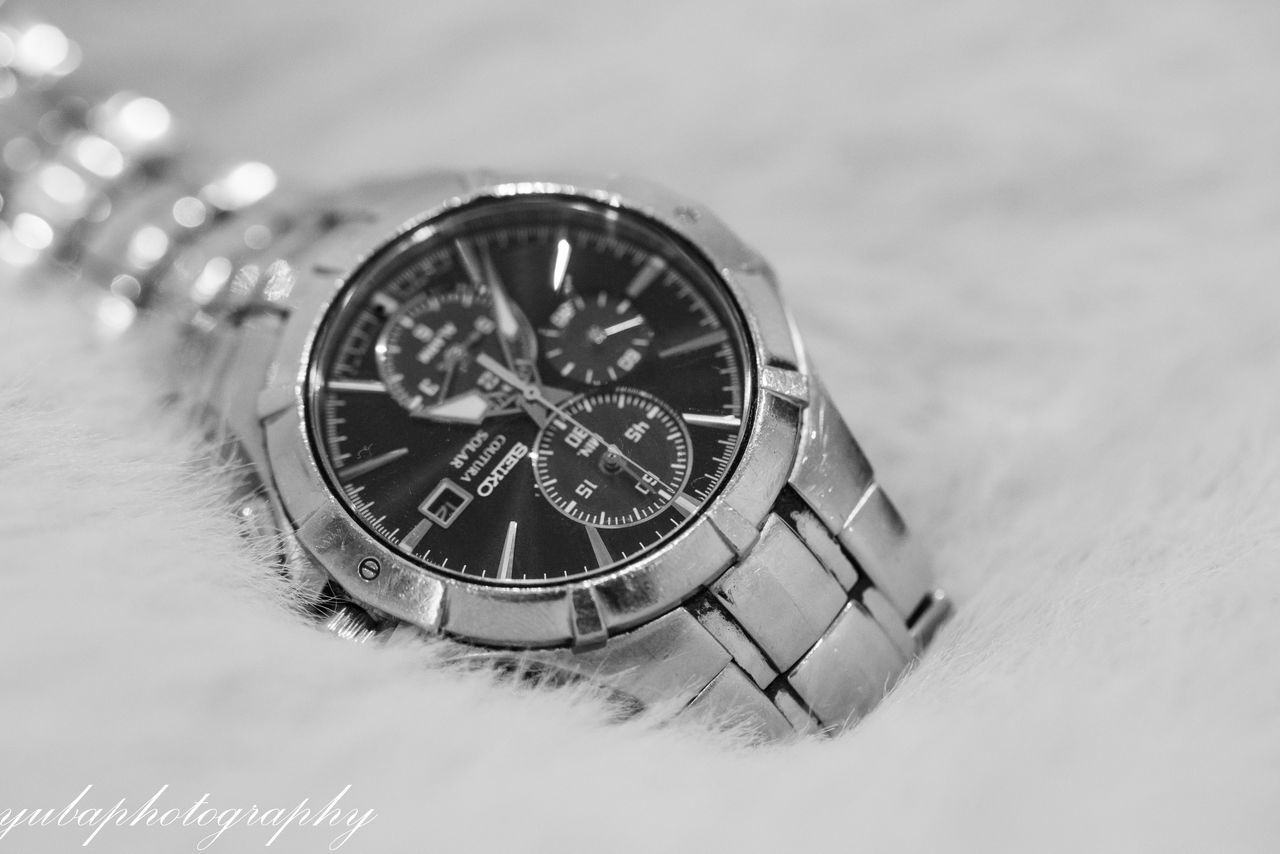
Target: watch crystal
(530, 390)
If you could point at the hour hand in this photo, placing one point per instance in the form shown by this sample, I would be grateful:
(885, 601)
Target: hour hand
(480, 269)
(466, 408)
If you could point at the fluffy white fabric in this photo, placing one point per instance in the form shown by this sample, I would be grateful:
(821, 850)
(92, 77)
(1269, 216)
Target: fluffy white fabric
(1032, 245)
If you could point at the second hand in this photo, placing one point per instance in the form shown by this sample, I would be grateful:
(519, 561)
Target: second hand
(533, 393)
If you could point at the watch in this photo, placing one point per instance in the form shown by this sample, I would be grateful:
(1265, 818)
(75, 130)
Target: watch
(557, 424)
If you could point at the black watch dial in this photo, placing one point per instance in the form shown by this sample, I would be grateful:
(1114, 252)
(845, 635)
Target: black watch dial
(530, 390)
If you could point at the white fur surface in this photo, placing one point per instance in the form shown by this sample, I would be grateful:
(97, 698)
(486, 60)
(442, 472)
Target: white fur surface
(1033, 247)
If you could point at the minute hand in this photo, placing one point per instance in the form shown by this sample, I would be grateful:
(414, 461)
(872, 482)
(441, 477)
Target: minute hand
(483, 274)
(534, 393)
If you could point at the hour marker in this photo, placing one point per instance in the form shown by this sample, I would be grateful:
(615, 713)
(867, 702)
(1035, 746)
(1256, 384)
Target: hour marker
(645, 277)
(686, 504)
(357, 385)
(719, 336)
(603, 558)
(415, 535)
(508, 552)
(352, 472)
(561, 263)
(389, 305)
(727, 422)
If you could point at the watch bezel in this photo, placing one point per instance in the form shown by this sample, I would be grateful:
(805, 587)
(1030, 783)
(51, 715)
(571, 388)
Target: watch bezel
(569, 612)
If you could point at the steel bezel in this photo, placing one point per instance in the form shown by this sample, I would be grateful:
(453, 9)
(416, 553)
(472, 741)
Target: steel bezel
(525, 616)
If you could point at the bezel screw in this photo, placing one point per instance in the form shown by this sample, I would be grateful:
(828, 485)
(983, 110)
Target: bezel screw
(370, 568)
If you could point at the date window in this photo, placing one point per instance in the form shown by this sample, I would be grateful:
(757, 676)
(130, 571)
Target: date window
(445, 503)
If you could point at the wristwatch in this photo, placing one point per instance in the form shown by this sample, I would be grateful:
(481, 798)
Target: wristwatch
(561, 425)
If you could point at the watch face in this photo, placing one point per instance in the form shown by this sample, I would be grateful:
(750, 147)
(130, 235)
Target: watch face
(530, 390)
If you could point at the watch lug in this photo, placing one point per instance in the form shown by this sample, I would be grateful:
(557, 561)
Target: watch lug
(791, 386)
(738, 533)
(275, 399)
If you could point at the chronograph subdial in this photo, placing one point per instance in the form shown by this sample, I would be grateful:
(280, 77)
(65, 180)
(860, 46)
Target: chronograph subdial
(426, 353)
(612, 458)
(595, 339)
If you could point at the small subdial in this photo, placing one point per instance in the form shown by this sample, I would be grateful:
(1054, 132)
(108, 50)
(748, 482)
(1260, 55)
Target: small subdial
(596, 339)
(612, 458)
(427, 351)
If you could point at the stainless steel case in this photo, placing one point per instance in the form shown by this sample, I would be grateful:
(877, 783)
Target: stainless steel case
(579, 613)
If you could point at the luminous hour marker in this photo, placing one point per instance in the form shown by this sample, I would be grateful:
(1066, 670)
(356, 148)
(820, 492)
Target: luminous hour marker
(508, 551)
(352, 472)
(603, 558)
(415, 535)
(645, 277)
(561, 263)
(388, 304)
(357, 385)
(728, 422)
(719, 336)
(686, 504)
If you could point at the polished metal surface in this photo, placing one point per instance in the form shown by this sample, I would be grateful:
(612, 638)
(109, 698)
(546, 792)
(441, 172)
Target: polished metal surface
(790, 605)
(781, 595)
(848, 670)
